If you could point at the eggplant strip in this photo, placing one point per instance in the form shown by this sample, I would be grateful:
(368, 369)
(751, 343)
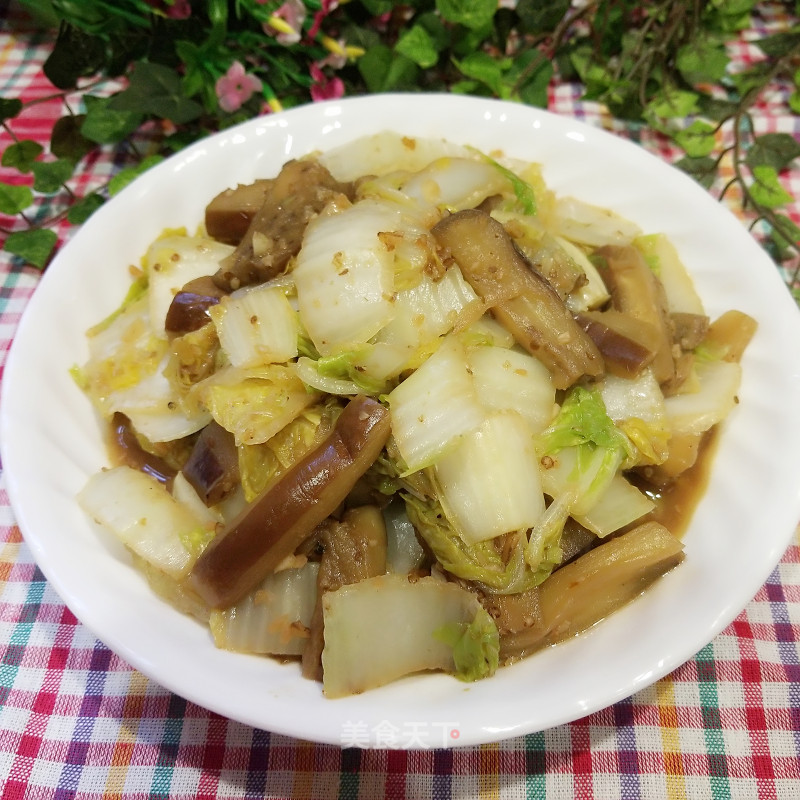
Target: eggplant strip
(627, 344)
(595, 585)
(300, 191)
(134, 455)
(277, 522)
(229, 214)
(213, 465)
(636, 291)
(188, 310)
(522, 300)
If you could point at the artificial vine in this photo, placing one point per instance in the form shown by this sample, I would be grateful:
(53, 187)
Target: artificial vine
(147, 77)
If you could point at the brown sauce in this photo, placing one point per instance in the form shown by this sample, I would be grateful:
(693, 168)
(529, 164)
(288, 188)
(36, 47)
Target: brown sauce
(676, 502)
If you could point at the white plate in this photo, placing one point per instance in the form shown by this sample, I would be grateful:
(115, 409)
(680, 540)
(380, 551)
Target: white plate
(52, 443)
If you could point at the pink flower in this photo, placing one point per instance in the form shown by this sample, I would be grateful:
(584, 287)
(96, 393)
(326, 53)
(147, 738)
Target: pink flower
(327, 7)
(286, 24)
(236, 87)
(180, 9)
(325, 88)
(174, 9)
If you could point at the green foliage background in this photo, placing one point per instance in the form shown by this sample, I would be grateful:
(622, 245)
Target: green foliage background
(659, 65)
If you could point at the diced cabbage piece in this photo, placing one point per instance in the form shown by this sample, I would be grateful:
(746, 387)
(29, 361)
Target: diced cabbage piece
(619, 505)
(637, 407)
(662, 257)
(640, 396)
(511, 380)
(383, 628)
(156, 410)
(385, 152)
(434, 406)
(145, 517)
(490, 481)
(427, 311)
(587, 472)
(261, 464)
(256, 326)
(186, 495)
(581, 450)
(345, 277)
(273, 619)
(404, 553)
(308, 371)
(125, 372)
(254, 404)
(696, 412)
(455, 183)
(588, 224)
(543, 551)
(482, 562)
(172, 262)
(591, 294)
(121, 353)
(486, 331)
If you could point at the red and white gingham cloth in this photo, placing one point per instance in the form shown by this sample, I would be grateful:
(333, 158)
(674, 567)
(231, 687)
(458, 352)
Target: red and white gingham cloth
(77, 722)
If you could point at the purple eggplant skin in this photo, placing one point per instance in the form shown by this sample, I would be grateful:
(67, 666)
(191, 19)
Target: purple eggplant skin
(520, 298)
(285, 514)
(188, 310)
(131, 453)
(213, 465)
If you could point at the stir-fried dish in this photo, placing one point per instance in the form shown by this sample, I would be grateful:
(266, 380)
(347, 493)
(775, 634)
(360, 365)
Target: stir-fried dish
(401, 408)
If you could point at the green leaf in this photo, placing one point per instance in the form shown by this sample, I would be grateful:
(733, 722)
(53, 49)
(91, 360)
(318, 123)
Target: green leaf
(75, 54)
(9, 108)
(467, 87)
(14, 199)
(538, 17)
(384, 70)
(84, 208)
(378, 7)
(611, 23)
(21, 155)
(476, 646)
(703, 170)
(780, 44)
(702, 61)
(418, 45)
(531, 73)
(766, 189)
(66, 139)
(437, 30)
(716, 108)
(752, 79)
(732, 15)
(785, 235)
(50, 176)
(157, 90)
(596, 77)
(697, 139)
(472, 14)
(34, 245)
(673, 103)
(794, 102)
(42, 12)
(490, 71)
(105, 125)
(129, 174)
(776, 150)
(522, 189)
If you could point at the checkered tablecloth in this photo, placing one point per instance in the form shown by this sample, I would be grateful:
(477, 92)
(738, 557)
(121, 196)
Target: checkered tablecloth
(78, 722)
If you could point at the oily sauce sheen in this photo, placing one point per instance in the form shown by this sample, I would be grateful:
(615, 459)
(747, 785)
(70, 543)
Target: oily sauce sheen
(676, 502)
